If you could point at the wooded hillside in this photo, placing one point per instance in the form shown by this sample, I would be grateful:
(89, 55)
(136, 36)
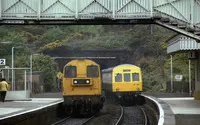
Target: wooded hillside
(147, 43)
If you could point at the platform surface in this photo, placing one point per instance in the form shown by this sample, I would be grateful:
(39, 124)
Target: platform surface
(185, 108)
(14, 108)
(183, 105)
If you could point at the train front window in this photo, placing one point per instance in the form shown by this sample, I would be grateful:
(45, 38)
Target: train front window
(70, 71)
(127, 77)
(118, 77)
(92, 71)
(135, 77)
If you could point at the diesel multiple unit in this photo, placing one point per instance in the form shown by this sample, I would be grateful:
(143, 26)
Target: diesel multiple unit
(123, 82)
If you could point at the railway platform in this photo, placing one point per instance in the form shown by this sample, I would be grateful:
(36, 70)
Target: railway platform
(21, 112)
(185, 109)
(181, 108)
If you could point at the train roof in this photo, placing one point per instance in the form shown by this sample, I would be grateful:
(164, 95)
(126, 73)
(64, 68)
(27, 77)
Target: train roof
(86, 60)
(111, 68)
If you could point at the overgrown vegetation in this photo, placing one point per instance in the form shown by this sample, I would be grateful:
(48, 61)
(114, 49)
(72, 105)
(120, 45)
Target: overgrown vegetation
(146, 42)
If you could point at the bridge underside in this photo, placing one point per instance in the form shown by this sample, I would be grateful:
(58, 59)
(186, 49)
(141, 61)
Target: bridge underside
(178, 27)
(96, 21)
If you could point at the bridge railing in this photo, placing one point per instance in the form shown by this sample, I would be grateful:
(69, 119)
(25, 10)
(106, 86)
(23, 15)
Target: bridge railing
(75, 9)
(182, 10)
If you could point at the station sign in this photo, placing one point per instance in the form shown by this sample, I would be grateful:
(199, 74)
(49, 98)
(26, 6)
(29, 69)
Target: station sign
(2, 61)
(178, 77)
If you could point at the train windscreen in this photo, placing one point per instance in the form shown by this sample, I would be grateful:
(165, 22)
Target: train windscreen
(92, 71)
(127, 77)
(118, 77)
(70, 71)
(135, 77)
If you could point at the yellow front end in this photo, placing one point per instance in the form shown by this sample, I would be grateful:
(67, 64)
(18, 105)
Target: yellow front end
(127, 87)
(94, 88)
(127, 79)
(81, 84)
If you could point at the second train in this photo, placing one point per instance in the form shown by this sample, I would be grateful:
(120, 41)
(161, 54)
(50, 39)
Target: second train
(123, 83)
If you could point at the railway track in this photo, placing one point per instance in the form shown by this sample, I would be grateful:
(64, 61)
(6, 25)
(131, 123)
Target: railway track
(144, 115)
(121, 116)
(112, 114)
(74, 121)
(134, 115)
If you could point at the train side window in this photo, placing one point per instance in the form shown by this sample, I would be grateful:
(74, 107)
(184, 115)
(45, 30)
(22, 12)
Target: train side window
(118, 77)
(127, 77)
(135, 77)
(92, 71)
(70, 71)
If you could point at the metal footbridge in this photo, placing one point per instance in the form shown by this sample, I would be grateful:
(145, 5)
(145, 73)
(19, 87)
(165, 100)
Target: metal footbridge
(182, 16)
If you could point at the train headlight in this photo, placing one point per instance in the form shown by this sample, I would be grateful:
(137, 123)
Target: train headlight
(75, 82)
(87, 81)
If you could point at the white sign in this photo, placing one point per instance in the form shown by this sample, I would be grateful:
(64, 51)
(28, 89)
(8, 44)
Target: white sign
(178, 77)
(2, 61)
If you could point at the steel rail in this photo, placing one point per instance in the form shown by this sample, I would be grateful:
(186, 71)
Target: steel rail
(121, 116)
(145, 115)
(61, 121)
(88, 120)
(68, 118)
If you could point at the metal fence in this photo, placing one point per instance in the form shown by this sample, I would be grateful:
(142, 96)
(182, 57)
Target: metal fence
(179, 86)
(18, 78)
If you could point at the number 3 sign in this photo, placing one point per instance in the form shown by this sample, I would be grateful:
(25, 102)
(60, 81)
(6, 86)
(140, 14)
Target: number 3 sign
(2, 61)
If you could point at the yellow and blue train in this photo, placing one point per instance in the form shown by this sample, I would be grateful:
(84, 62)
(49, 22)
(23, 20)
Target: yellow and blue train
(82, 87)
(123, 83)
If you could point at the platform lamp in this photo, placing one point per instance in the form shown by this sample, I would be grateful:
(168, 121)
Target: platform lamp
(31, 70)
(171, 73)
(13, 81)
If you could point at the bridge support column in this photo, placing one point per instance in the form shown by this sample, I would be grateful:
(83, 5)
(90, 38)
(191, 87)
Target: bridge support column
(192, 12)
(151, 2)
(197, 78)
(0, 8)
(113, 13)
(39, 9)
(76, 14)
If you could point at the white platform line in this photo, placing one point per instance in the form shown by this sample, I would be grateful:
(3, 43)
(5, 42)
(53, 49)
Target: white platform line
(186, 98)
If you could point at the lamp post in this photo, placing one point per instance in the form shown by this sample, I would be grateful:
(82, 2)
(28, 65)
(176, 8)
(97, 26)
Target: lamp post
(12, 69)
(13, 81)
(31, 72)
(190, 84)
(171, 75)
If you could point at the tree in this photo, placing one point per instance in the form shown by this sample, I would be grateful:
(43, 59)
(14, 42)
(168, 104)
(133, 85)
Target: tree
(48, 66)
(42, 63)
